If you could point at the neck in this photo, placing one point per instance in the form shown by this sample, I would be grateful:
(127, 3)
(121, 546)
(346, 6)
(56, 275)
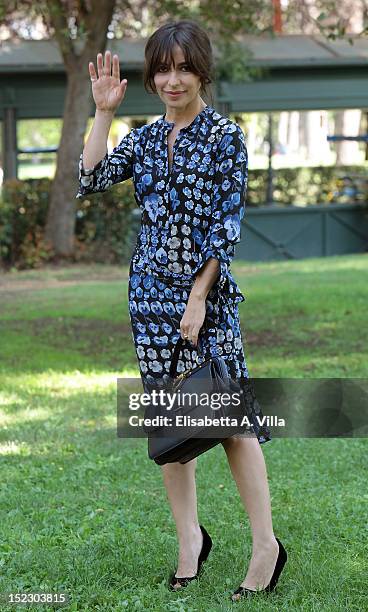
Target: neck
(185, 115)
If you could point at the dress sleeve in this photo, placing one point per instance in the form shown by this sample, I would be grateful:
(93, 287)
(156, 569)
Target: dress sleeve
(228, 207)
(113, 168)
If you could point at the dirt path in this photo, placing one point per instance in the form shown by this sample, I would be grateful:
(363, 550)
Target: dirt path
(55, 276)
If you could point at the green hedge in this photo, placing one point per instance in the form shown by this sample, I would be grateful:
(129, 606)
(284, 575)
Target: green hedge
(314, 185)
(105, 228)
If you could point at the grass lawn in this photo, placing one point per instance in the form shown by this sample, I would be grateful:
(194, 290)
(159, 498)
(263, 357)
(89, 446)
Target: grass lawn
(84, 512)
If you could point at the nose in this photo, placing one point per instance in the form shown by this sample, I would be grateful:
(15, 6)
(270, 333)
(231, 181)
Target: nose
(173, 78)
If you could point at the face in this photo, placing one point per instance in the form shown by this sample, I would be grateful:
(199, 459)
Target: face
(177, 78)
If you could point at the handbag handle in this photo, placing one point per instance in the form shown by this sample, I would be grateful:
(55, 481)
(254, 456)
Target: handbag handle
(177, 349)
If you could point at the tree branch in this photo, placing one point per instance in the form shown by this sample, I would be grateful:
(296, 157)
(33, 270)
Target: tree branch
(62, 34)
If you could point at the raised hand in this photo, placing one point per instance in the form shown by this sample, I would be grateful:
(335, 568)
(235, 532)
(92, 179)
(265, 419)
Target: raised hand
(108, 92)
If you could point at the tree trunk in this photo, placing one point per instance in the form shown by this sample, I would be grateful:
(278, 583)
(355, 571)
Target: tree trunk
(316, 140)
(79, 104)
(60, 226)
(283, 129)
(293, 131)
(347, 124)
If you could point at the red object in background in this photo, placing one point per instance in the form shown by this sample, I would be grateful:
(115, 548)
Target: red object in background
(277, 20)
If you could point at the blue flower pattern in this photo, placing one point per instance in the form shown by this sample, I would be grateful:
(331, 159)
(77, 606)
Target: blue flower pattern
(188, 214)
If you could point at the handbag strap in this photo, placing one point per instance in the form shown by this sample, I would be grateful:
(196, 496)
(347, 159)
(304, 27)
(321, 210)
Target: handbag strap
(179, 346)
(176, 353)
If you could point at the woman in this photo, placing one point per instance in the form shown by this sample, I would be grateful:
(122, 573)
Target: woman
(189, 170)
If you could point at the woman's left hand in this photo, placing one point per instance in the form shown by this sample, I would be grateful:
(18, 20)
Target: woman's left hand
(193, 319)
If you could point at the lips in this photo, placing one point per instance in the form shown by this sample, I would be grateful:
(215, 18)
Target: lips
(174, 93)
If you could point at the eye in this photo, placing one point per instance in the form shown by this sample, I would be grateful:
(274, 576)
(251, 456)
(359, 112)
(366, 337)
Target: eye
(163, 68)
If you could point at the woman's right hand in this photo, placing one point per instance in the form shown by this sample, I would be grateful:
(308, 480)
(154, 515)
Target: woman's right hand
(107, 90)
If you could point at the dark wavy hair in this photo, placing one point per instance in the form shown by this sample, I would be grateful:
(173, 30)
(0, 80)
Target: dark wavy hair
(195, 45)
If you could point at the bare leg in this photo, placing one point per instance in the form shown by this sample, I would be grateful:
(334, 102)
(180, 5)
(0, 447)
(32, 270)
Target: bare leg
(180, 486)
(248, 467)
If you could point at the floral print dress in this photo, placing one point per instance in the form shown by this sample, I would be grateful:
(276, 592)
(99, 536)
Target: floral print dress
(188, 214)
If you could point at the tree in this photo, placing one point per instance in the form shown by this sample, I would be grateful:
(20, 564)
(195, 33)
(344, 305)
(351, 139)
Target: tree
(61, 215)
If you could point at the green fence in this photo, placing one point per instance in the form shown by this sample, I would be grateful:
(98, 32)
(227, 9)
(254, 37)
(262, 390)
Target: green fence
(277, 232)
(292, 232)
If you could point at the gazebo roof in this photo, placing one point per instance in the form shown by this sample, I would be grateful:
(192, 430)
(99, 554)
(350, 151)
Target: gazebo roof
(296, 72)
(276, 52)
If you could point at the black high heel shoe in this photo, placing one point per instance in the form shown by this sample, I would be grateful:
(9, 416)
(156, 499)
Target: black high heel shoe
(281, 560)
(205, 550)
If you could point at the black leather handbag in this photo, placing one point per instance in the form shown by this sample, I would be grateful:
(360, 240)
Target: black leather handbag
(210, 376)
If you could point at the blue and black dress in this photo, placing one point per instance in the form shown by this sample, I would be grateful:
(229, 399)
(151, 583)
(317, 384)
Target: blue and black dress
(188, 215)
